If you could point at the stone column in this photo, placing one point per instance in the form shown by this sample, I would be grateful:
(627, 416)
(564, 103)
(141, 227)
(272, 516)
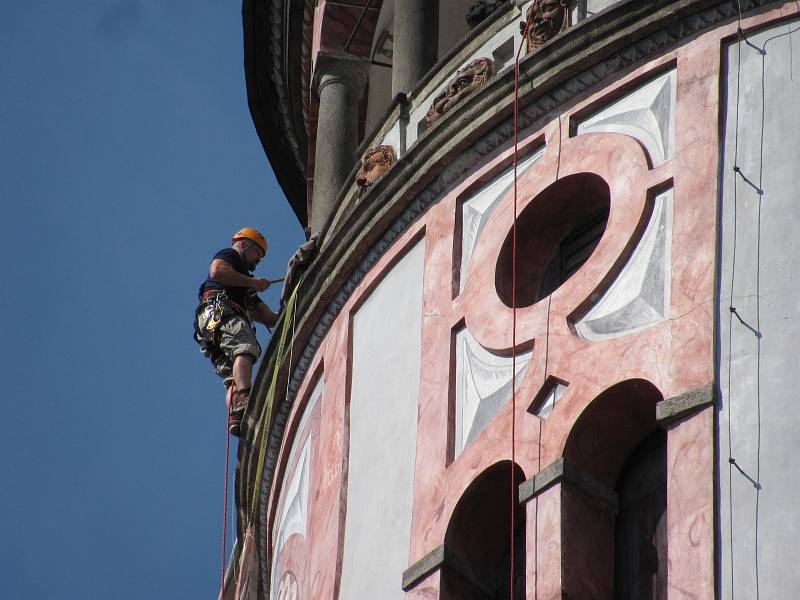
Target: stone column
(416, 42)
(338, 81)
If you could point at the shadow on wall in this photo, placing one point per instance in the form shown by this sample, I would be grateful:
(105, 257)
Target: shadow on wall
(617, 551)
(478, 539)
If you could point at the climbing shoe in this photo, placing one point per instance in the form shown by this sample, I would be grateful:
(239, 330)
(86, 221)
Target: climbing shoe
(238, 405)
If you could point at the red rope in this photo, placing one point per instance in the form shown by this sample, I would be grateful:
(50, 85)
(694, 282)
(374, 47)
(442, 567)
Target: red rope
(514, 313)
(225, 506)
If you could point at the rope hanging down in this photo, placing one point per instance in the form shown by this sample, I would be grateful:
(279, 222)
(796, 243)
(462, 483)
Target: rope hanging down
(514, 314)
(225, 504)
(247, 580)
(267, 410)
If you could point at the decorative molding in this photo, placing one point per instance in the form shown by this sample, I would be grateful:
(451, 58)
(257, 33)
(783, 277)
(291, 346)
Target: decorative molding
(294, 494)
(468, 79)
(476, 210)
(548, 396)
(374, 165)
(546, 19)
(639, 296)
(295, 508)
(332, 67)
(683, 405)
(426, 565)
(647, 114)
(664, 30)
(560, 471)
(483, 386)
(288, 588)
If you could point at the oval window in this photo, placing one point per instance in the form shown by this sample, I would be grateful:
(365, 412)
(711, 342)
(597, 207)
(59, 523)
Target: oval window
(556, 234)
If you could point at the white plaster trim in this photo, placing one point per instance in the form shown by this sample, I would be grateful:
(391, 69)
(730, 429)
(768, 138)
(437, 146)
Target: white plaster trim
(475, 211)
(647, 114)
(639, 297)
(294, 497)
(483, 382)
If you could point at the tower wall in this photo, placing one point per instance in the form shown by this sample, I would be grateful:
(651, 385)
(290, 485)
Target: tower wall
(621, 361)
(758, 278)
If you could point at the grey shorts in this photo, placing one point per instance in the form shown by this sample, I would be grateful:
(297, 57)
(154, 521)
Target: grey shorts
(236, 337)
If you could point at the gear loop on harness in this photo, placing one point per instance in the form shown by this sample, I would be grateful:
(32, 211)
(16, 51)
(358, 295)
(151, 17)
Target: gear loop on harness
(210, 314)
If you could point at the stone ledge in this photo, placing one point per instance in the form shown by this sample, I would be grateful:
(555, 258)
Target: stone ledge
(563, 471)
(443, 557)
(678, 407)
(426, 565)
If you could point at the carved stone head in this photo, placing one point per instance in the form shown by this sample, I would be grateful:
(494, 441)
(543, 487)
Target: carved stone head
(468, 79)
(375, 162)
(546, 19)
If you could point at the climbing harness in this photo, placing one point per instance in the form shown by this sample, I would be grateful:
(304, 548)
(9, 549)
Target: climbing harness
(213, 312)
(214, 308)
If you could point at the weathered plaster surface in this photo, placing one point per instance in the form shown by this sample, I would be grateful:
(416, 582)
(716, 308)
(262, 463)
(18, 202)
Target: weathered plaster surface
(384, 398)
(690, 506)
(675, 355)
(758, 375)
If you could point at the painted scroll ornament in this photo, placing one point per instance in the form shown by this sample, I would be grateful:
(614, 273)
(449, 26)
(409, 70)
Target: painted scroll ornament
(374, 164)
(468, 79)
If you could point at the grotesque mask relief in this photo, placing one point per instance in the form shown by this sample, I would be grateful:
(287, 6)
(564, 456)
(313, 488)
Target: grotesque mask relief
(374, 164)
(546, 19)
(468, 79)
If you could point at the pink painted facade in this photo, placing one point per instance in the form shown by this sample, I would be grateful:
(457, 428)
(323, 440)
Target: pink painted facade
(607, 380)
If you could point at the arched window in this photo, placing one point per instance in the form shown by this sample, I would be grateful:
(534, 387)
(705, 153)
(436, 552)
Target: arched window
(640, 544)
(615, 450)
(478, 540)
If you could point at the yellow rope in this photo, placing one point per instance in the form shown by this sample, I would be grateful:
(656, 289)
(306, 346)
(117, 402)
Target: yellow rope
(266, 411)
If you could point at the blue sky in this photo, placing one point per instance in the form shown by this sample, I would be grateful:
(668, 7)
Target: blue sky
(128, 157)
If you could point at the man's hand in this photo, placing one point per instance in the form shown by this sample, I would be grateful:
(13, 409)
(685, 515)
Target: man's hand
(259, 285)
(264, 314)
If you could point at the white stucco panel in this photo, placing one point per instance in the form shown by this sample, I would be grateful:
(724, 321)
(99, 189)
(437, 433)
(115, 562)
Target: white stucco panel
(383, 432)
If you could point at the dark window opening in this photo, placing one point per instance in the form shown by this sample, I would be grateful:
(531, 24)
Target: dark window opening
(478, 540)
(557, 232)
(640, 548)
(617, 442)
(574, 250)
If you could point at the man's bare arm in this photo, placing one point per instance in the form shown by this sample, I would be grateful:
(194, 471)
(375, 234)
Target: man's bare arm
(264, 314)
(223, 273)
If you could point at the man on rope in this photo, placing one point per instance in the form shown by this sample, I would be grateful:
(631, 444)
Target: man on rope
(224, 318)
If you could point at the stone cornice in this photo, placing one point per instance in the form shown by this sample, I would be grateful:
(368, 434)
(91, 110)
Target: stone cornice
(273, 68)
(579, 60)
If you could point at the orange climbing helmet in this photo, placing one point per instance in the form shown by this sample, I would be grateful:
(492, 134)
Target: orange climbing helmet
(248, 233)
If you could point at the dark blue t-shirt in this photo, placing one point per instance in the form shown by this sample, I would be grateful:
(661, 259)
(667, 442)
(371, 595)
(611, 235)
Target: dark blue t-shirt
(237, 294)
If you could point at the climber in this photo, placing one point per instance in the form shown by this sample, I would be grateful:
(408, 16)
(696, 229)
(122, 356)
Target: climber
(224, 318)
